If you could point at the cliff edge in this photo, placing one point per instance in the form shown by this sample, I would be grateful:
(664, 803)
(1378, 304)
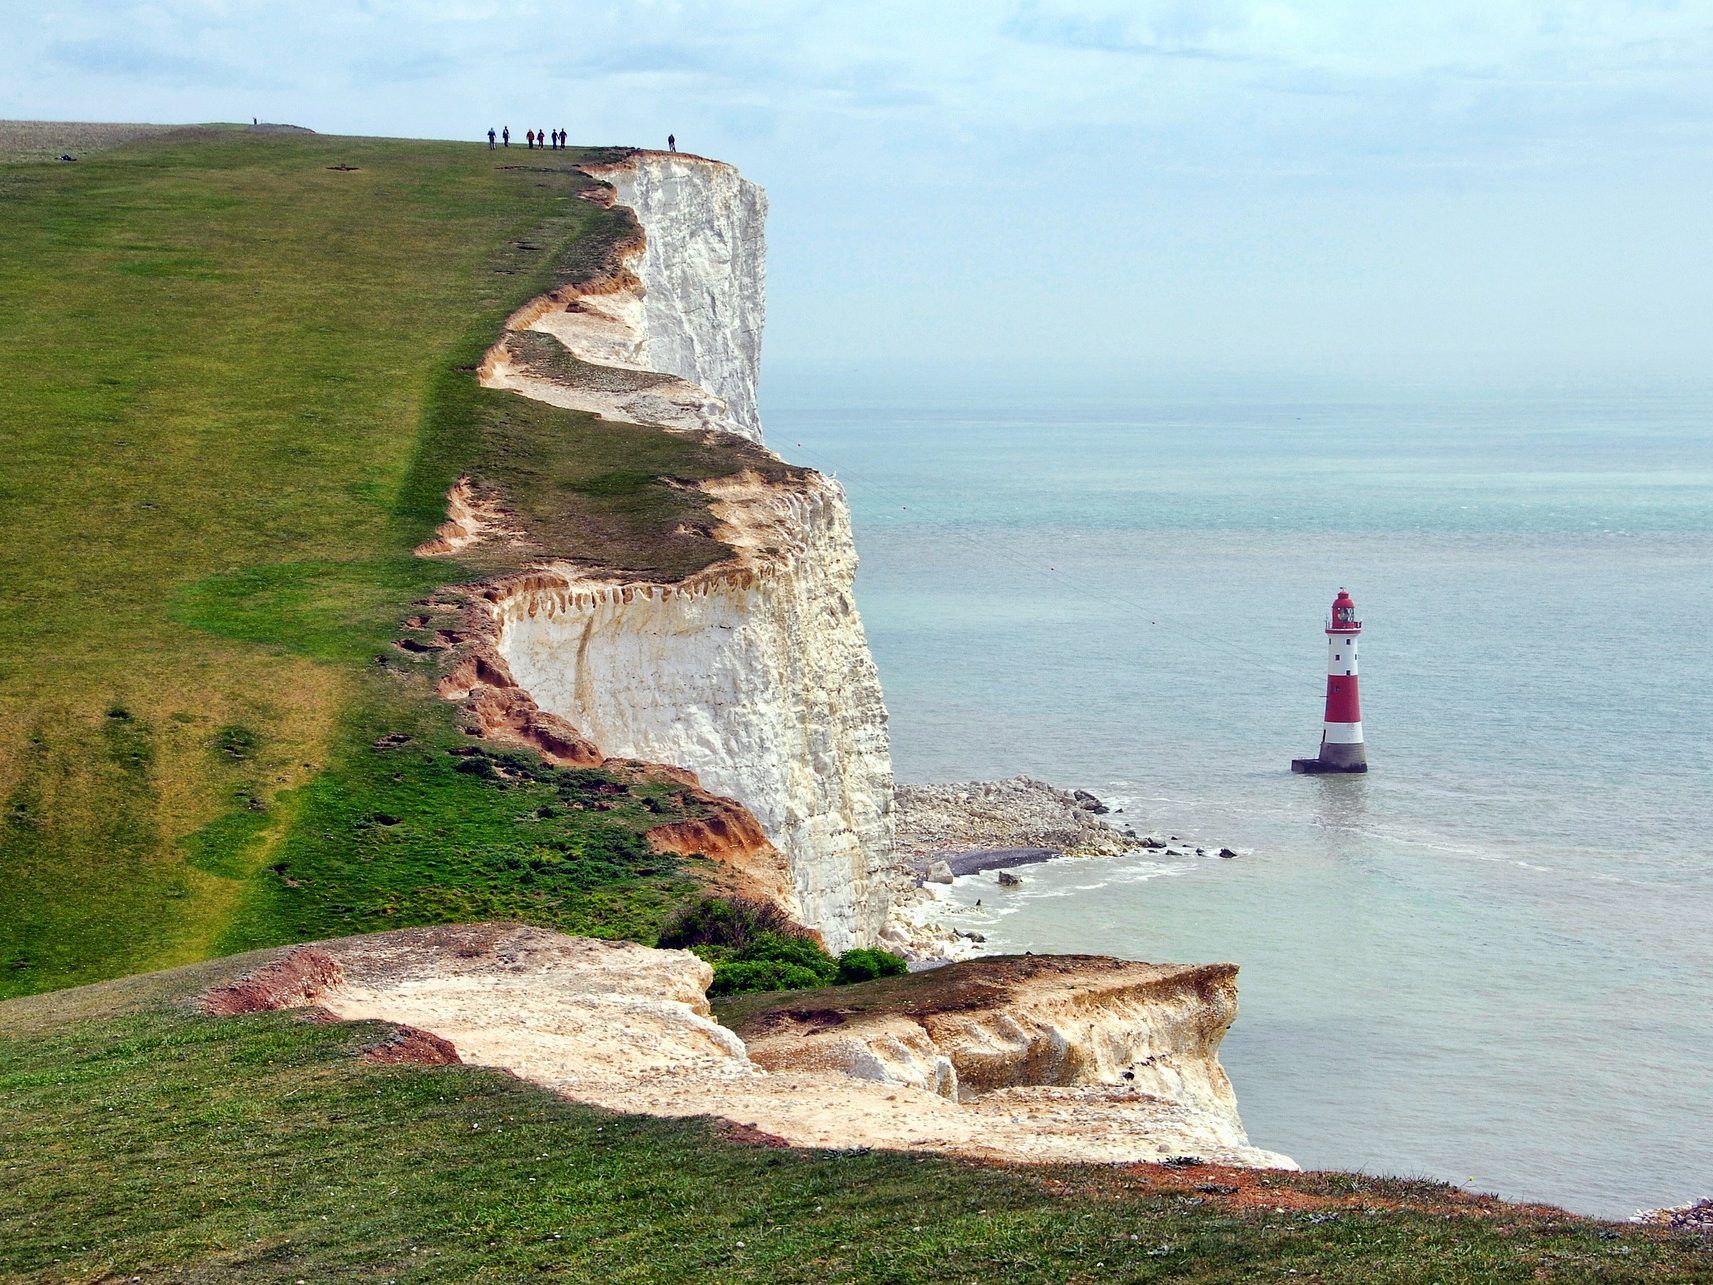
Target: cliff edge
(753, 673)
(1073, 1058)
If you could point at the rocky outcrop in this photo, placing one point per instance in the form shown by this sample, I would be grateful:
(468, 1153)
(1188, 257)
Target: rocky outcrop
(1015, 813)
(1067, 1021)
(1079, 1058)
(754, 673)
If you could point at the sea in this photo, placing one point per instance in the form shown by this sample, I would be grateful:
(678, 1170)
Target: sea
(1488, 961)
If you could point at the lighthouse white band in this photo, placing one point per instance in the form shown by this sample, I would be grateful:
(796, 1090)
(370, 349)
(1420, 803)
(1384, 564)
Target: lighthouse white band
(1343, 733)
(1341, 654)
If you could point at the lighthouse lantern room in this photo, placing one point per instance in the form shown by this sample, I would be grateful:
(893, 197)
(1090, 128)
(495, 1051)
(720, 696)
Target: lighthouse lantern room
(1341, 748)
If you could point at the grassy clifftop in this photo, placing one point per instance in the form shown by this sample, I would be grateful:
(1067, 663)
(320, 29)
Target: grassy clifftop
(138, 1138)
(235, 385)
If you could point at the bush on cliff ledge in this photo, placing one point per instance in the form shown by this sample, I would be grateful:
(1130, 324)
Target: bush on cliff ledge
(740, 976)
(753, 946)
(867, 965)
(729, 922)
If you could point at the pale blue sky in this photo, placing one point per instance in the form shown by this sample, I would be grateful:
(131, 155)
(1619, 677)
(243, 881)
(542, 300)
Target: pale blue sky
(1158, 185)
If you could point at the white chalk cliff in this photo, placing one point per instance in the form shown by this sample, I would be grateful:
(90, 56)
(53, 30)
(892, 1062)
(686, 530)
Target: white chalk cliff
(755, 674)
(703, 270)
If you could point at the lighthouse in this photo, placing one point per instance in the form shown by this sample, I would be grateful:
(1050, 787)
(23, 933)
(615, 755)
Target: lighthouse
(1341, 747)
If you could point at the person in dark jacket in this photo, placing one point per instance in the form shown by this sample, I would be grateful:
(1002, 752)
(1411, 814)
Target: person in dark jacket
(506, 135)
(672, 142)
(491, 140)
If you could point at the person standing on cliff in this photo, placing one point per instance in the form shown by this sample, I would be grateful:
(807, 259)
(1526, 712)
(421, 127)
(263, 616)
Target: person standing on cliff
(672, 142)
(506, 135)
(490, 140)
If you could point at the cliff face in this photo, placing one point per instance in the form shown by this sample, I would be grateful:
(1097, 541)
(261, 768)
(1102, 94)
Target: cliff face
(754, 674)
(1065, 1021)
(703, 272)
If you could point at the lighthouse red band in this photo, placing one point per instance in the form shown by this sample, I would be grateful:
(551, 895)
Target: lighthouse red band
(1341, 748)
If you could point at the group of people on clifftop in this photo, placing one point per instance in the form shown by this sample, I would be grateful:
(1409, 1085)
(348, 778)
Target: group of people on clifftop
(547, 140)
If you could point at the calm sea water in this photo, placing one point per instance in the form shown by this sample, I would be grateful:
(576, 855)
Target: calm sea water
(1488, 961)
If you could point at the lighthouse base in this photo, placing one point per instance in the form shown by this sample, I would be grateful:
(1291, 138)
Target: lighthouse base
(1315, 767)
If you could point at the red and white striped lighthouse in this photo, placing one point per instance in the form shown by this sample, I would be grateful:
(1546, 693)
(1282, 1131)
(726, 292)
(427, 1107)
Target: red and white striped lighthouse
(1341, 747)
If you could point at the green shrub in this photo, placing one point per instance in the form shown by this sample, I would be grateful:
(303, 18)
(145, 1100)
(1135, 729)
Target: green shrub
(753, 946)
(866, 965)
(801, 951)
(739, 975)
(726, 921)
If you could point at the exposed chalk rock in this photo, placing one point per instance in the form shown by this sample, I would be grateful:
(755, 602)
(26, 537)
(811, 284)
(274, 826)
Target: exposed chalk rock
(1010, 1059)
(703, 273)
(754, 674)
(756, 677)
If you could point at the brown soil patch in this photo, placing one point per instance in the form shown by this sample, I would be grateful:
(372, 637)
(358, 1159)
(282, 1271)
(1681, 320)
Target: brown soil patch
(747, 1135)
(1276, 1191)
(410, 1045)
(292, 981)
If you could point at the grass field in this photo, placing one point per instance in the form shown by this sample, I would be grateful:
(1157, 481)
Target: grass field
(137, 1139)
(235, 385)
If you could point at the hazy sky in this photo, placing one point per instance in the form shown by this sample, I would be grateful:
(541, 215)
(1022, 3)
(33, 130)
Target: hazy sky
(1157, 185)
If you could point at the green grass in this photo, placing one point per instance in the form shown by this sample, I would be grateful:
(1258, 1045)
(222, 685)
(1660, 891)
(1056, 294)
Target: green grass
(139, 1140)
(235, 385)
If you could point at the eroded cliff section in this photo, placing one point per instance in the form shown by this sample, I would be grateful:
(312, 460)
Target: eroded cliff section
(754, 674)
(1070, 1058)
(703, 272)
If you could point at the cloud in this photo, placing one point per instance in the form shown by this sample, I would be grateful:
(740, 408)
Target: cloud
(1181, 30)
(107, 57)
(405, 67)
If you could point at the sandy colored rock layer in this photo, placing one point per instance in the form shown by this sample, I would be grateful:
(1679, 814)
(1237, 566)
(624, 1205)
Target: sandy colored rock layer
(1002, 1059)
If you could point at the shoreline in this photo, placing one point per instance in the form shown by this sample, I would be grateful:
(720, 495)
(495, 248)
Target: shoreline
(985, 860)
(950, 832)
